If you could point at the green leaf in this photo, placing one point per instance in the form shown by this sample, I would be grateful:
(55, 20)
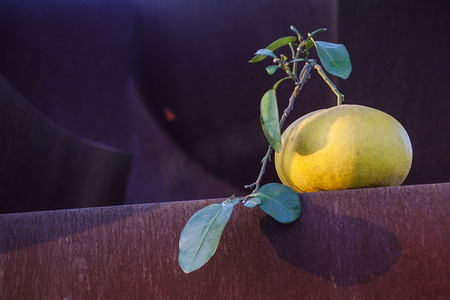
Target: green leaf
(335, 58)
(201, 235)
(275, 86)
(297, 59)
(252, 202)
(269, 119)
(266, 52)
(308, 44)
(272, 69)
(295, 30)
(280, 202)
(272, 47)
(310, 35)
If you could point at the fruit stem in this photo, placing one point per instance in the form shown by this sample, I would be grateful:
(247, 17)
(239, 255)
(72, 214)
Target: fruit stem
(340, 97)
(299, 83)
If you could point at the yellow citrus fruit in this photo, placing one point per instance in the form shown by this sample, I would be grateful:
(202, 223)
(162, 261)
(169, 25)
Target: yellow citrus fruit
(343, 147)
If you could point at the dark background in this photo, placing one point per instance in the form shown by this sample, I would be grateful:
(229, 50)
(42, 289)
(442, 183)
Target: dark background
(167, 85)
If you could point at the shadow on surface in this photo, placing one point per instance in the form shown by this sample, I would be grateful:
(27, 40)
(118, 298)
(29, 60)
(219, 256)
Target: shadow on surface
(345, 250)
(23, 230)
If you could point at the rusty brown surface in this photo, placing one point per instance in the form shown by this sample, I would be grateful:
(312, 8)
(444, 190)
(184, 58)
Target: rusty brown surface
(384, 243)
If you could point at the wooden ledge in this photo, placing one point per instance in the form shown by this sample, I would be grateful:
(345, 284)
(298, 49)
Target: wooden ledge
(365, 244)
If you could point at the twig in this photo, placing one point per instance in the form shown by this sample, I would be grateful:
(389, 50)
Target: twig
(340, 97)
(299, 83)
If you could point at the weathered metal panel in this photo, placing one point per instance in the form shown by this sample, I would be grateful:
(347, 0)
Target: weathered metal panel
(43, 166)
(378, 243)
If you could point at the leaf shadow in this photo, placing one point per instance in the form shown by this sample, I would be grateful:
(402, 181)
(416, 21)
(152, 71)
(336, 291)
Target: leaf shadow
(344, 250)
(28, 229)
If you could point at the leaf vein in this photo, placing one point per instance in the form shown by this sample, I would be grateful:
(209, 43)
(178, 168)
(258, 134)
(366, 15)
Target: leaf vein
(204, 236)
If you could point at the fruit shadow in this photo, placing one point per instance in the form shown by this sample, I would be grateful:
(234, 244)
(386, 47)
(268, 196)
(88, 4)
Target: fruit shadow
(344, 250)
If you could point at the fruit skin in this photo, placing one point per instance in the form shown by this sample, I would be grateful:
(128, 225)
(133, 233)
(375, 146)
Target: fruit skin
(344, 147)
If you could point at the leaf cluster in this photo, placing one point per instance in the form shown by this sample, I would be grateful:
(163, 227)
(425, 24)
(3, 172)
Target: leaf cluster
(201, 235)
(334, 58)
